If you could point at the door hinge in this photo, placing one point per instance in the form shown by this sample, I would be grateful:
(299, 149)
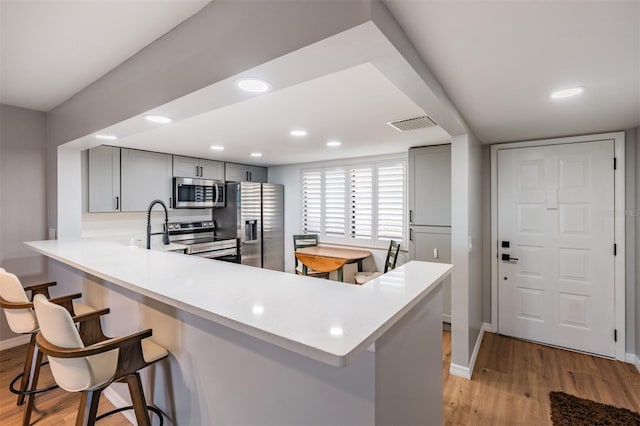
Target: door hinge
(615, 335)
(615, 163)
(615, 249)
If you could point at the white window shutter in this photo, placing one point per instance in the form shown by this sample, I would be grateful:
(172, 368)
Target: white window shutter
(334, 202)
(312, 202)
(361, 203)
(390, 205)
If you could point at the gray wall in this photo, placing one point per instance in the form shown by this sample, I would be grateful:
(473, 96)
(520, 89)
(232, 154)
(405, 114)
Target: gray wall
(637, 257)
(630, 241)
(467, 288)
(22, 194)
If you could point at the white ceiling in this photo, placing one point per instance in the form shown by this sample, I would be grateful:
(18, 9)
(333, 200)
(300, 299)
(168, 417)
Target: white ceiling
(498, 62)
(351, 106)
(50, 50)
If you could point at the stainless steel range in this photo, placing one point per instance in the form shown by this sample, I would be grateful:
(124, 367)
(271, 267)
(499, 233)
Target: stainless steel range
(201, 240)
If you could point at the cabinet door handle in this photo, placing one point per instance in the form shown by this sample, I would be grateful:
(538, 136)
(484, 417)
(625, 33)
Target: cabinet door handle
(251, 176)
(170, 201)
(201, 171)
(246, 175)
(117, 203)
(435, 253)
(410, 216)
(410, 234)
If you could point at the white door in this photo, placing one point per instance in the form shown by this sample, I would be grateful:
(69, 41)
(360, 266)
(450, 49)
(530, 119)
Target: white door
(555, 213)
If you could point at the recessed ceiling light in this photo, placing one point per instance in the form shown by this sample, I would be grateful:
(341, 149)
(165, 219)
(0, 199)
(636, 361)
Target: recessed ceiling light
(334, 144)
(257, 309)
(106, 137)
(253, 85)
(298, 133)
(217, 147)
(256, 154)
(566, 93)
(158, 119)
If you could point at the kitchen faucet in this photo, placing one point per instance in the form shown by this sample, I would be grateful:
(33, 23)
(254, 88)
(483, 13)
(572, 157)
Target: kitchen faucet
(165, 232)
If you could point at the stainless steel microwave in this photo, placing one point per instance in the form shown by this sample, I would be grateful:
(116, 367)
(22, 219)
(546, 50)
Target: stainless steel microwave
(189, 193)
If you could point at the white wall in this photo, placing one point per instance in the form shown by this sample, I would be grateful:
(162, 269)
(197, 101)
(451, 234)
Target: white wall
(289, 176)
(22, 195)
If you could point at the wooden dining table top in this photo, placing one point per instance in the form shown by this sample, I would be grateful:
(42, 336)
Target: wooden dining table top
(335, 252)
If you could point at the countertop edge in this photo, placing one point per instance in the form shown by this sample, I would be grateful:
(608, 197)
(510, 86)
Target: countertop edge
(328, 358)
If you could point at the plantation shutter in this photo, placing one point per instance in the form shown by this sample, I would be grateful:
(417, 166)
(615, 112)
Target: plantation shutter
(390, 206)
(312, 202)
(361, 208)
(334, 202)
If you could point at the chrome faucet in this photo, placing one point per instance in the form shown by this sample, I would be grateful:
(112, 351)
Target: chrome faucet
(165, 232)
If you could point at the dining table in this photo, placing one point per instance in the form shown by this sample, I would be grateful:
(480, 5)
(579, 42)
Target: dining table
(329, 259)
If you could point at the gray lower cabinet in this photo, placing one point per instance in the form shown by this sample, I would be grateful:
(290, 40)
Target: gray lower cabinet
(433, 244)
(146, 176)
(244, 173)
(198, 168)
(104, 179)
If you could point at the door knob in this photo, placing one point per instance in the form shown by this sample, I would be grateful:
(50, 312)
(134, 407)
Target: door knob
(508, 258)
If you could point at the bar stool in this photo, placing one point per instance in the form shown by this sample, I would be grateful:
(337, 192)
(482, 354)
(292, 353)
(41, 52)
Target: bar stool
(84, 360)
(22, 320)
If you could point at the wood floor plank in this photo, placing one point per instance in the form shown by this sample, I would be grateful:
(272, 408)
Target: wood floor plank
(56, 407)
(513, 378)
(510, 386)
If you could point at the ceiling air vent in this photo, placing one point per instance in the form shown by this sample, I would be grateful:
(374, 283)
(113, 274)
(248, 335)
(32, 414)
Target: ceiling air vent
(412, 123)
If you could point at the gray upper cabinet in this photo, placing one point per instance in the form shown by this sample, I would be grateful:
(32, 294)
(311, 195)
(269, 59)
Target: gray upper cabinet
(430, 185)
(146, 176)
(198, 168)
(244, 173)
(104, 179)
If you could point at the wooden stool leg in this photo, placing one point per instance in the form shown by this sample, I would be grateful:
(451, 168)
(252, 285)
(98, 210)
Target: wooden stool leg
(34, 373)
(88, 408)
(28, 366)
(137, 398)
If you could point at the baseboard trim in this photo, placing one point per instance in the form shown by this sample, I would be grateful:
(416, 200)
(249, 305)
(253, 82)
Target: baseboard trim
(118, 402)
(460, 371)
(15, 341)
(467, 372)
(633, 359)
(476, 348)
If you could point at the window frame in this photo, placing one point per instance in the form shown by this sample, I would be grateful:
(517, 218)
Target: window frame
(346, 239)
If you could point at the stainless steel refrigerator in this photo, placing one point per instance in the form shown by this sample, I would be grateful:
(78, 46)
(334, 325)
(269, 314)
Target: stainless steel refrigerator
(254, 214)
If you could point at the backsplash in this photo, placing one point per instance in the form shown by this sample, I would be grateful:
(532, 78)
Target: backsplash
(122, 227)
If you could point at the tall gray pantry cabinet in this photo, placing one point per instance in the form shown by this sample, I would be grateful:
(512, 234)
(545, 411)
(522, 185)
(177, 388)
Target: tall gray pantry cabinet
(430, 210)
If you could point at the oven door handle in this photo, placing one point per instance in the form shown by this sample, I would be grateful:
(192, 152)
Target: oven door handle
(217, 253)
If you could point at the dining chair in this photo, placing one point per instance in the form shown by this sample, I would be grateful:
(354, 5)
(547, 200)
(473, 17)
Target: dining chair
(302, 241)
(389, 264)
(84, 360)
(21, 318)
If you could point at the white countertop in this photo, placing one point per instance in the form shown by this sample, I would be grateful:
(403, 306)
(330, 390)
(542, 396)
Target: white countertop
(328, 321)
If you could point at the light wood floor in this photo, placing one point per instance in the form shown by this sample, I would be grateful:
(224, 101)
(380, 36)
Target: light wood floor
(512, 380)
(56, 407)
(510, 386)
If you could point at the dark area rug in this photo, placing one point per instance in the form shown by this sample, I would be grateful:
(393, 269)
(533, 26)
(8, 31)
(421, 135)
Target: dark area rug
(569, 410)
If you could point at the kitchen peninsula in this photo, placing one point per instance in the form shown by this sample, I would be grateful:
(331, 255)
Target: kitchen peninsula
(253, 346)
